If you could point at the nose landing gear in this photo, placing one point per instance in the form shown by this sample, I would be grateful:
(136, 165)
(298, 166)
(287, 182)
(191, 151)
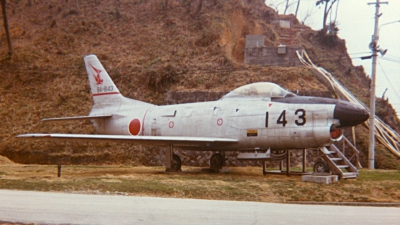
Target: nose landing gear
(321, 166)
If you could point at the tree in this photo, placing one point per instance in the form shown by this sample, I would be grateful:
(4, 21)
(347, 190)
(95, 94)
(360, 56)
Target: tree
(327, 9)
(165, 6)
(275, 5)
(187, 4)
(297, 8)
(287, 4)
(286, 7)
(306, 16)
(3, 6)
(199, 6)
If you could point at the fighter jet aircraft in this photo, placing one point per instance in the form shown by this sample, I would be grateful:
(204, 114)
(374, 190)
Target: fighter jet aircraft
(255, 117)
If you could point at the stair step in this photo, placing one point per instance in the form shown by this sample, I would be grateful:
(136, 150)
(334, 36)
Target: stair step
(336, 159)
(327, 152)
(342, 166)
(349, 175)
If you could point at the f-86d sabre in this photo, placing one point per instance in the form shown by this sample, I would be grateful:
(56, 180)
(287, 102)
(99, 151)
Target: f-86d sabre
(255, 117)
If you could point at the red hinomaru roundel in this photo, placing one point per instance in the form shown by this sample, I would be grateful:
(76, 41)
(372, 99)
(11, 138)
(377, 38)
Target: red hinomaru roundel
(134, 126)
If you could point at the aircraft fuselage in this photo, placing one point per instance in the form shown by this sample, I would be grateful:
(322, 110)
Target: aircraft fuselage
(256, 123)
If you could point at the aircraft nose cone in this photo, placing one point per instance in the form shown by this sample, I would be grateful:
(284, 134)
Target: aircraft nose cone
(349, 114)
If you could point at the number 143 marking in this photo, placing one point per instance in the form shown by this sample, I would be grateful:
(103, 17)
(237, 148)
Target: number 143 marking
(300, 113)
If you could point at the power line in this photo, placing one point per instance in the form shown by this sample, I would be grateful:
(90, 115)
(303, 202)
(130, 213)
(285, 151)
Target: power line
(358, 53)
(387, 79)
(392, 56)
(391, 60)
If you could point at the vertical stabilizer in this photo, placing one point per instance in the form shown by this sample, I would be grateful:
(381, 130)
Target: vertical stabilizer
(102, 87)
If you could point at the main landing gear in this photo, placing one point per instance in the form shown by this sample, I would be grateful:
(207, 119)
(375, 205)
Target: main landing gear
(176, 163)
(217, 161)
(173, 162)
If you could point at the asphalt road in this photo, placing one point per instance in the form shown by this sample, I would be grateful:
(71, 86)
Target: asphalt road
(62, 208)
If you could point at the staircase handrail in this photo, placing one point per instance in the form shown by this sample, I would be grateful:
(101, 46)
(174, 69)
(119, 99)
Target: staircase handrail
(383, 132)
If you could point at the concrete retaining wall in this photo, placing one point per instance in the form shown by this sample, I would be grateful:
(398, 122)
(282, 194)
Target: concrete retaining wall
(268, 56)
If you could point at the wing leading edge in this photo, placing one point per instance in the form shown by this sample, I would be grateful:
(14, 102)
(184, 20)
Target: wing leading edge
(77, 118)
(146, 140)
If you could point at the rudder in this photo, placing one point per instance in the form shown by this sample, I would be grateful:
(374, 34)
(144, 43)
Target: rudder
(102, 87)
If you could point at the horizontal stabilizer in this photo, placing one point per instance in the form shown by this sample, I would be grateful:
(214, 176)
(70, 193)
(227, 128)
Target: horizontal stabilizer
(146, 140)
(77, 118)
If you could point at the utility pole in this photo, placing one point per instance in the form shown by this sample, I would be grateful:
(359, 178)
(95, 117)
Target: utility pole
(374, 47)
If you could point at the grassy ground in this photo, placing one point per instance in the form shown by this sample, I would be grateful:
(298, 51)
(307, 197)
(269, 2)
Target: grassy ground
(242, 184)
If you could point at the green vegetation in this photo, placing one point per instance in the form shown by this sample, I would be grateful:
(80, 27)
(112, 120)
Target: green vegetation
(244, 184)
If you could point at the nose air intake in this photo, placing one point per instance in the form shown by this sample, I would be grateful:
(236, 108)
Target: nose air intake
(349, 114)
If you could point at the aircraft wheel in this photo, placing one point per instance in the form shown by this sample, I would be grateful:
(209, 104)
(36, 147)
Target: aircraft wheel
(321, 167)
(176, 163)
(217, 161)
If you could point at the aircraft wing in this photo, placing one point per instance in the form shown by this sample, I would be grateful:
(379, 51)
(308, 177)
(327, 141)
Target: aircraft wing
(77, 118)
(146, 140)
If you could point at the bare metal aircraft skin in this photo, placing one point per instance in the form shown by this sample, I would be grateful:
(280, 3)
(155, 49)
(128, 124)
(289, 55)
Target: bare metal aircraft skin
(258, 116)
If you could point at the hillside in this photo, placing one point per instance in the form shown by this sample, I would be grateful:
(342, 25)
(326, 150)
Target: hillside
(148, 49)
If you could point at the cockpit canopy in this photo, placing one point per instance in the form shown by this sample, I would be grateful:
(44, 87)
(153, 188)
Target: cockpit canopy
(260, 89)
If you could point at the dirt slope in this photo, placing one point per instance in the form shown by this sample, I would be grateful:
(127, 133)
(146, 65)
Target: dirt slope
(148, 49)
(5, 161)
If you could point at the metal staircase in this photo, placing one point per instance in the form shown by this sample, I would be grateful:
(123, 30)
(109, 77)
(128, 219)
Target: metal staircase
(338, 163)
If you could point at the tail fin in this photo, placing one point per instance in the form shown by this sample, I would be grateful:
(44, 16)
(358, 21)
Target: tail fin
(102, 87)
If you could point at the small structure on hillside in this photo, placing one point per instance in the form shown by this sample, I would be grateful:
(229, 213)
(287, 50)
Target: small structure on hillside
(256, 53)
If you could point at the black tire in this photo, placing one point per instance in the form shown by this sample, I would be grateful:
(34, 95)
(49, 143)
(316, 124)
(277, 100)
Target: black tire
(176, 163)
(217, 161)
(321, 167)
